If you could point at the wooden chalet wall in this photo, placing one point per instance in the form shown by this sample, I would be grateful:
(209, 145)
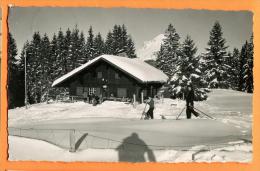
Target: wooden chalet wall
(103, 74)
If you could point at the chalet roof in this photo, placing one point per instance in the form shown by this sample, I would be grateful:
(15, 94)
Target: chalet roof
(136, 68)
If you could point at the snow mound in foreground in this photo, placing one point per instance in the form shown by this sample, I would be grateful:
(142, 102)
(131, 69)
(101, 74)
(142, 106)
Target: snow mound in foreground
(18, 150)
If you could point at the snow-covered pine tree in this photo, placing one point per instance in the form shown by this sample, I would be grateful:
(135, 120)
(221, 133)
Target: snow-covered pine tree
(30, 65)
(118, 42)
(68, 52)
(162, 62)
(90, 44)
(46, 67)
(168, 53)
(109, 43)
(116, 34)
(228, 61)
(242, 62)
(98, 45)
(21, 76)
(12, 71)
(123, 40)
(54, 57)
(188, 72)
(248, 68)
(33, 60)
(130, 48)
(74, 49)
(61, 55)
(82, 50)
(216, 67)
(120, 37)
(233, 62)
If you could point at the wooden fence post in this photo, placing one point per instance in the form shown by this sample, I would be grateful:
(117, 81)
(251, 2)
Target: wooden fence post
(142, 97)
(72, 141)
(134, 102)
(162, 98)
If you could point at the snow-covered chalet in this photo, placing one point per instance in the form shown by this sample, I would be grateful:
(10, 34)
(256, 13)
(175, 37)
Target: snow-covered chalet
(113, 76)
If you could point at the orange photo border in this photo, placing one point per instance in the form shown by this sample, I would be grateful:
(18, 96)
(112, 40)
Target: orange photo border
(236, 5)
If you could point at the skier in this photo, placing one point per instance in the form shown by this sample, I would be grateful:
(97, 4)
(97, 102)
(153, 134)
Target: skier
(190, 102)
(151, 107)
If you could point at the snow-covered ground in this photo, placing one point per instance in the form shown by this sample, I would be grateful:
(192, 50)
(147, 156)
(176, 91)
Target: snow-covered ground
(30, 149)
(108, 109)
(232, 109)
(226, 105)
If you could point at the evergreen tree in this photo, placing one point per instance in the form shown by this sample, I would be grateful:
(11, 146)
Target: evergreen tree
(98, 45)
(68, 54)
(188, 71)
(118, 42)
(234, 68)
(248, 68)
(33, 59)
(21, 77)
(77, 49)
(216, 67)
(116, 34)
(130, 48)
(90, 44)
(169, 51)
(45, 67)
(242, 62)
(61, 55)
(123, 39)
(57, 68)
(109, 43)
(82, 51)
(12, 71)
(54, 57)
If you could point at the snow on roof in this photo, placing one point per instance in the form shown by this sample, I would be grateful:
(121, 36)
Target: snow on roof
(138, 69)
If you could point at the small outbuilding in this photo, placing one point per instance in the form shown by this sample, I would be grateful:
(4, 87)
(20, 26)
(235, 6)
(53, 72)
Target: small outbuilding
(113, 76)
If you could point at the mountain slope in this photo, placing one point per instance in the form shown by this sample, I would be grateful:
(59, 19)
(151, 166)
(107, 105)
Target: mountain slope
(147, 52)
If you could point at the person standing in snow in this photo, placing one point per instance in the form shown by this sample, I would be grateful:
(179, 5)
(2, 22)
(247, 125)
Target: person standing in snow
(151, 108)
(190, 102)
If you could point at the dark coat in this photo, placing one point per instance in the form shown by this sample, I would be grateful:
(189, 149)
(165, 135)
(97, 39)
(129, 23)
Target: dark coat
(151, 103)
(190, 97)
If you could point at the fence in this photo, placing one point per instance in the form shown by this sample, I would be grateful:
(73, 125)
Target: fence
(74, 140)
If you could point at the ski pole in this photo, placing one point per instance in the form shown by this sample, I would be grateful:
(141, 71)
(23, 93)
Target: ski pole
(143, 111)
(204, 113)
(180, 113)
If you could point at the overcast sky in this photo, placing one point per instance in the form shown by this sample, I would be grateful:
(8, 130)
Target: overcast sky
(142, 24)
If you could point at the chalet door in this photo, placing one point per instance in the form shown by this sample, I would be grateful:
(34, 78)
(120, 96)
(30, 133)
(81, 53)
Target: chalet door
(98, 91)
(121, 92)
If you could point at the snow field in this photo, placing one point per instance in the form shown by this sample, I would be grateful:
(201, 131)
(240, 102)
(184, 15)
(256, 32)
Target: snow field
(231, 108)
(40, 151)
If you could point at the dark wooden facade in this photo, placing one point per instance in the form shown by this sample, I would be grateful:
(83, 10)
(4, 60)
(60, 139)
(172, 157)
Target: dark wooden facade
(104, 79)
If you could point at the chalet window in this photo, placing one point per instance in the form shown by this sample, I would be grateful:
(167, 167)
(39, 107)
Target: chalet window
(79, 91)
(91, 91)
(99, 74)
(117, 76)
(121, 92)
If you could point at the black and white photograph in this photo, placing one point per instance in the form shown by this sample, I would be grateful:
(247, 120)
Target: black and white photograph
(130, 85)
